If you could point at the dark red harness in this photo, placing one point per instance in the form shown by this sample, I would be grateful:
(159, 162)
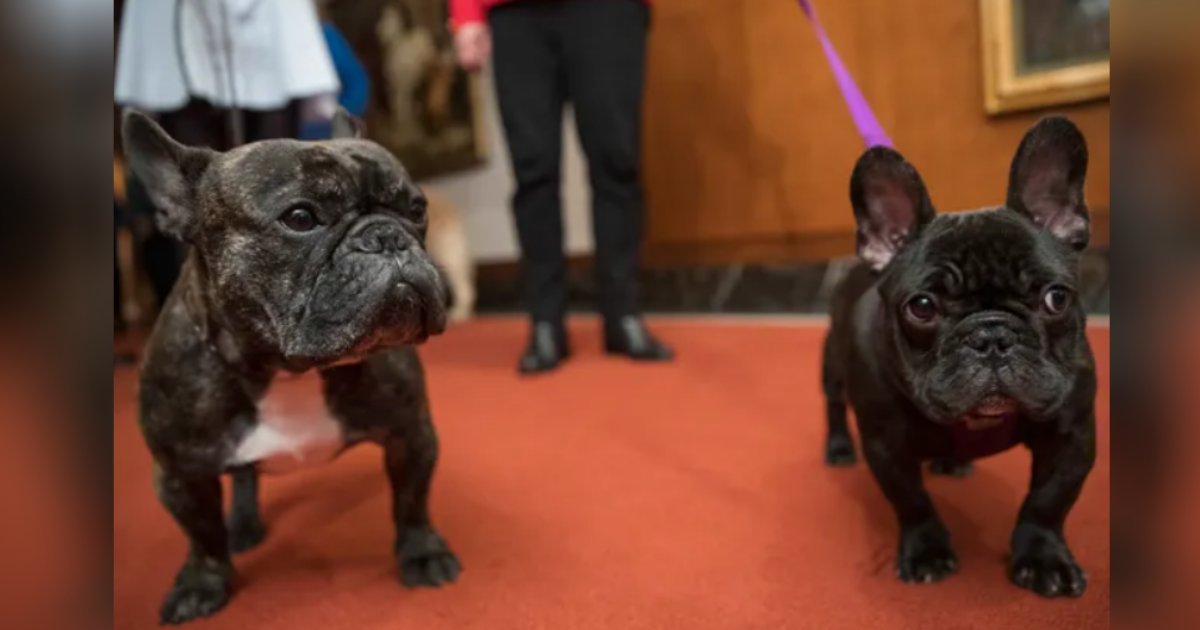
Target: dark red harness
(968, 443)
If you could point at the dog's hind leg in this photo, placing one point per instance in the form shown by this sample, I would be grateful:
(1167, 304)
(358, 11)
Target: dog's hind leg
(464, 309)
(459, 272)
(839, 446)
(246, 529)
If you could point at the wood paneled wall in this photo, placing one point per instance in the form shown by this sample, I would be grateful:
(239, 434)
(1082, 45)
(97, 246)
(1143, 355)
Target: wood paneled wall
(748, 146)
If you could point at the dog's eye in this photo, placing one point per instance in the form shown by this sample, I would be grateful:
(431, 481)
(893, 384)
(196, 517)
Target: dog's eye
(299, 220)
(922, 308)
(1056, 300)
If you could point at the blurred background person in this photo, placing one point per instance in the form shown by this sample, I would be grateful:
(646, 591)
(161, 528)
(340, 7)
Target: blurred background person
(592, 54)
(355, 84)
(218, 73)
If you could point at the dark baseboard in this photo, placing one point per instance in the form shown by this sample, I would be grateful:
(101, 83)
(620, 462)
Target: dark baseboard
(779, 288)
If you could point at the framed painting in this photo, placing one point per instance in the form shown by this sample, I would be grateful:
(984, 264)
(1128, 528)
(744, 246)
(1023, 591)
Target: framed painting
(1041, 53)
(423, 107)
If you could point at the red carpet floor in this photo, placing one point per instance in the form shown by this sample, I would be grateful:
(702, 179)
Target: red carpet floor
(614, 495)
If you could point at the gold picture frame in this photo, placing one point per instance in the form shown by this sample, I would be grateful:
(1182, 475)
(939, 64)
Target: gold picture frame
(1054, 76)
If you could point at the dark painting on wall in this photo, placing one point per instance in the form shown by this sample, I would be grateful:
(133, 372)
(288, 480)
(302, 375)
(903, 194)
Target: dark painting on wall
(423, 107)
(1043, 53)
(1060, 33)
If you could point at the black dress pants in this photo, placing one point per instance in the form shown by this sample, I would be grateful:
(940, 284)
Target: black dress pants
(590, 53)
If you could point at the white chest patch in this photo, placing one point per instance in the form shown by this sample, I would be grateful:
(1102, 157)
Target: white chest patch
(294, 427)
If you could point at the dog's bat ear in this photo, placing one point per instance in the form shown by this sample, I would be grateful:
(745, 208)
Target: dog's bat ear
(890, 204)
(1046, 180)
(344, 125)
(167, 170)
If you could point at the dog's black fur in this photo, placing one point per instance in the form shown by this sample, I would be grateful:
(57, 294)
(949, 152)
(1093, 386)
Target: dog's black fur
(959, 336)
(265, 292)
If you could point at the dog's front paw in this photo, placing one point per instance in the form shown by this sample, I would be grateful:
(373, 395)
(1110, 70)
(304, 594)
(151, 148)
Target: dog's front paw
(424, 559)
(950, 468)
(1042, 563)
(198, 592)
(925, 553)
(839, 451)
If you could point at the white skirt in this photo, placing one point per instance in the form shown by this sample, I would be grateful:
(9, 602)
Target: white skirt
(252, 54)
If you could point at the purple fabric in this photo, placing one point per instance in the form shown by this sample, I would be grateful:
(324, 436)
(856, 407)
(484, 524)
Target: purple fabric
(868, 127)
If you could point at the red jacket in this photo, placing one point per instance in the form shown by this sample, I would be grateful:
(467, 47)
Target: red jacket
(468, 11)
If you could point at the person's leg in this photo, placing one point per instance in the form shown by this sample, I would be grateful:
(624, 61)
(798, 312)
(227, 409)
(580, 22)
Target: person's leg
(530, 93)
(604, 46)
(273, 123)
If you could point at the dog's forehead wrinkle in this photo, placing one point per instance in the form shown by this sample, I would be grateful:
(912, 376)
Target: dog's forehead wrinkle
(219, 203)
(383, 183)
(367, 150)
(326, 173)
(376, 167)
(989, 253)
(234, 159)
(267, 173)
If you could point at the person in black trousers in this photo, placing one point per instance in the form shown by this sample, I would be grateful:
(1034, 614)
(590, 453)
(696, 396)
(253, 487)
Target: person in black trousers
(592, 54)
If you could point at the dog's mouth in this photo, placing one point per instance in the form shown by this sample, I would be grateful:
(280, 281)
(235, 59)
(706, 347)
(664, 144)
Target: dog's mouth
(992, 410)
(396, 301)
(411, 319)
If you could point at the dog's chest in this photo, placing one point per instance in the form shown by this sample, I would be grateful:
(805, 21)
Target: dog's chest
(294, 428)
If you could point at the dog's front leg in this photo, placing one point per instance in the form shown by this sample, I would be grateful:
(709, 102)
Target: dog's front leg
(924, 553)
(423, 557)
(204, 583)
(1040, 560)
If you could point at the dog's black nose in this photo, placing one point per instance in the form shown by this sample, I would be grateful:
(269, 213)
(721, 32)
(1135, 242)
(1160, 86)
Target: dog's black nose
(380, 237)
(991, 338)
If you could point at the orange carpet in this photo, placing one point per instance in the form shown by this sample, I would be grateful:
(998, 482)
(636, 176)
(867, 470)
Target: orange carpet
(614, 495)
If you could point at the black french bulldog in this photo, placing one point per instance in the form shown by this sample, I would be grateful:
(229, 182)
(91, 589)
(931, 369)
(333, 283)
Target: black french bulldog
(303, 256)
(959, 336)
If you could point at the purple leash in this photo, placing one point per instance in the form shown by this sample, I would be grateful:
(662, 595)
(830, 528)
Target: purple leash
(868, 126)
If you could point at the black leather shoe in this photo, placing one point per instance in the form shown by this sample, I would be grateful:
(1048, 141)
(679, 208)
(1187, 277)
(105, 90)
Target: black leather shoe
(628, 336)
(547, 348)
